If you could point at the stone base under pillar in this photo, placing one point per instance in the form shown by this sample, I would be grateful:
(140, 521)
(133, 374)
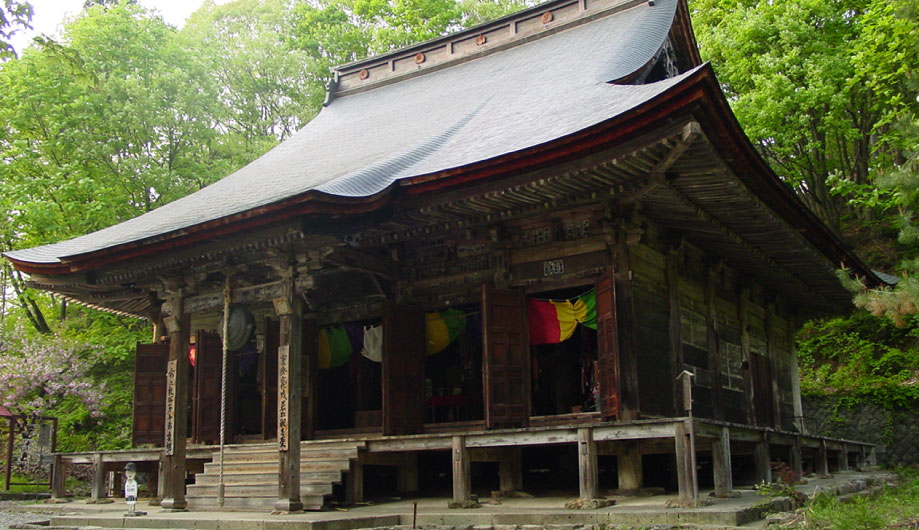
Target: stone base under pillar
(286, 506)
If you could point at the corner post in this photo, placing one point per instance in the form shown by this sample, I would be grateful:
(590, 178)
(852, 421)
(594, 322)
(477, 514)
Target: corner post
(290, 394)
(177, 325)
(58, 476)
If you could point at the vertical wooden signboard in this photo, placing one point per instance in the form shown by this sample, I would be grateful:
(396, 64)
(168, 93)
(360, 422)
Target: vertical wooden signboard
(506, 358)
(403, 369)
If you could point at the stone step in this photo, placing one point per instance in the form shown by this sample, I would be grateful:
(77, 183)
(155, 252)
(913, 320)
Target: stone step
(261, 503)
(304, 446)
(269, 467)
(272, 456)
(254, 490)
(306, 477)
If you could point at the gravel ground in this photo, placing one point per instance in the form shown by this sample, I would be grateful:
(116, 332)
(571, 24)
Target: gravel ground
(8, 518)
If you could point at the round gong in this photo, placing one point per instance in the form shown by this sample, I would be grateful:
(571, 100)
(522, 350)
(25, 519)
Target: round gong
(239, 329)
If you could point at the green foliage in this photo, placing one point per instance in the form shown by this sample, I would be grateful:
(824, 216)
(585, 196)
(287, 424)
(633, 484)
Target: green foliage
(893, 507)
(861, 357)
(14, 15)
(816, 85)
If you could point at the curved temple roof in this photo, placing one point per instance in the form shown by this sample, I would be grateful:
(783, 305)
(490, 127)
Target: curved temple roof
(362, 144)
(532, 88)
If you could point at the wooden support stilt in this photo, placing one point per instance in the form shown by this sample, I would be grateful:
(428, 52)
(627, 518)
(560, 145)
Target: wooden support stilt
(682, 448)
(115, 487)
(587, 464)
(462, 480)
(160, 480)
(97, 493)
(510, 470)
(290, 396)
(842, 458)
(761, 460)
(354, 483)
(629, 466)
(408, 473)
(721, 463)
(794, 457)
(822, 461)
(58, 476)
(861, 459)
(177, 325)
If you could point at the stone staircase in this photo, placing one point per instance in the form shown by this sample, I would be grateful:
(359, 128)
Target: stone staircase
(250, 475)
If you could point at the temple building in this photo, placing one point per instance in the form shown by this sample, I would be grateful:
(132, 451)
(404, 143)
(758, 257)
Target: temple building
(536, 253)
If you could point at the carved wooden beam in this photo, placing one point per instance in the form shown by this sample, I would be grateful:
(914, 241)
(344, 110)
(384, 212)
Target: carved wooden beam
(264, 292)
(353, 259)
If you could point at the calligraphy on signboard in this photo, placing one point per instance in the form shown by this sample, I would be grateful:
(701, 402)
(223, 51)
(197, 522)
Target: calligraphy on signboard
(283, 398)
(171, 369)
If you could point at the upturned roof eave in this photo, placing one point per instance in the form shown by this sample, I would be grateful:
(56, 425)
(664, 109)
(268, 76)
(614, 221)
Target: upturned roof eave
(699, 87)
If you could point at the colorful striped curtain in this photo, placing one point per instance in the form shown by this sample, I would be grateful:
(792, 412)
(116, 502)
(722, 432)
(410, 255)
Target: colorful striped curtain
(334, 347)
(553, 321)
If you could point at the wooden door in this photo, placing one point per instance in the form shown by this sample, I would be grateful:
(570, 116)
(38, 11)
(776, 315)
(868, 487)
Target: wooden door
(403, 369)
(269, 383)
(506, 358)
(608, 346)
(762, 390)
(150, 394)
(208, 373)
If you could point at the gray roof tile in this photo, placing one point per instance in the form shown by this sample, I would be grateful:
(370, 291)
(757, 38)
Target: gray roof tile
(362, 143)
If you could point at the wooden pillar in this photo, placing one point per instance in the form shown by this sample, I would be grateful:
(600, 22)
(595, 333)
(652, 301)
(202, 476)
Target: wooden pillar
(354, 482)
(97, 493)
(58, 478)
(761, 460)
(721, 463)
(290, 395)
(842, 458)
(408, 473)
(176, 428)
(629, 466)
(794, 457)
(822, 463)
(462, 477)
(743, 318)
(687, 486)
(714, 348)
(587, 464)
(510, 470)
(676, 338)
(625, 319)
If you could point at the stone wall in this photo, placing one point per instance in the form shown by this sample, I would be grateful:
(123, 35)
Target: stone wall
(894, 432)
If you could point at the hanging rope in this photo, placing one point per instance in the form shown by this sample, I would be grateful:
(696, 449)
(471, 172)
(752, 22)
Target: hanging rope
(223, 387)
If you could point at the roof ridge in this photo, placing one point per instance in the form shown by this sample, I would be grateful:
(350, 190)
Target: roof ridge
(478, 41)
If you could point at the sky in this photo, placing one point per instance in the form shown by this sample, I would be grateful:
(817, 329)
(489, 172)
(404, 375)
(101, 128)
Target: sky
(50, 13)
